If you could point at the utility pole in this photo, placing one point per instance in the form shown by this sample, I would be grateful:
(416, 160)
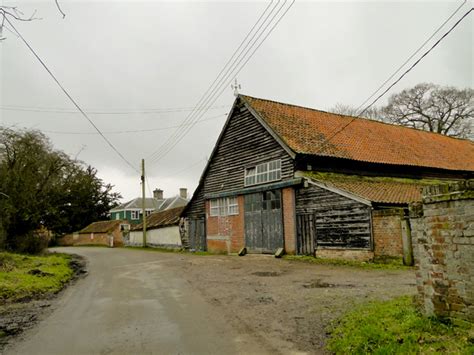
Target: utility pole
(143, 204)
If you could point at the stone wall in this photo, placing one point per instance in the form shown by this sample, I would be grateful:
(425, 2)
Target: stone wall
(443, 244)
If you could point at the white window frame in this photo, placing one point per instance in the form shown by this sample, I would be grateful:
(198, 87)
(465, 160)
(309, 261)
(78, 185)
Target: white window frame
(224, 206)
(135, 215)
(232, 206)
(263, 173)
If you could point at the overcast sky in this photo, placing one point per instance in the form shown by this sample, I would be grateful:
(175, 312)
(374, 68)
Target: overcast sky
(126, 57)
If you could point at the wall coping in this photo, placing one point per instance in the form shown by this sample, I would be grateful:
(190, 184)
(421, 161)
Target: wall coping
(462, 190)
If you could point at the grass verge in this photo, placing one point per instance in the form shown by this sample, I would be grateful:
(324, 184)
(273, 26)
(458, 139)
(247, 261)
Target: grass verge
(378, 264)
(396, 327)
(25, 276)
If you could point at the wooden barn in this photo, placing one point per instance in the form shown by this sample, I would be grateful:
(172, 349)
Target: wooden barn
(309, 181)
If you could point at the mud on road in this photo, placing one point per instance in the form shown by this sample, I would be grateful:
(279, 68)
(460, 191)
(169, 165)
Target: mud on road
(22, 315)
(288, 305)
(275, 305)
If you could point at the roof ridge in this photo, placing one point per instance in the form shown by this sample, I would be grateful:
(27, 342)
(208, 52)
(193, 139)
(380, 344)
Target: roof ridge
(354, 117)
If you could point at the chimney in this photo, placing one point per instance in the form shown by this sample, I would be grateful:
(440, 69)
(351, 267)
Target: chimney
(183, 192)
(158, 194)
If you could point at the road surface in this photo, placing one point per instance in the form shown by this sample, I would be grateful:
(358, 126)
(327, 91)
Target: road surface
(132, 303)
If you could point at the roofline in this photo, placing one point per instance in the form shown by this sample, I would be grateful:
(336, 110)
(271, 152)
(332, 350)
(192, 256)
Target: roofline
(339, 191)
(262, 121)
(359, 118)
(203, 174)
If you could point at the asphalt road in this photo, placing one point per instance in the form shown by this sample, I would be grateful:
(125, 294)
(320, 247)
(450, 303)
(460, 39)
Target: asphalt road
(132, 303)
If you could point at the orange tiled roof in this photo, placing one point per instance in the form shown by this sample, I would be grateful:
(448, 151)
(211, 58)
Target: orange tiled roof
(375, 189)
(306, 131)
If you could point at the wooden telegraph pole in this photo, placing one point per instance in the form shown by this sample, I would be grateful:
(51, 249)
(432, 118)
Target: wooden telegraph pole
(143, 203)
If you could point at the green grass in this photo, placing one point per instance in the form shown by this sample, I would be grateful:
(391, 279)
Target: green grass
(18, 281)
(378, 264)
(396, 327)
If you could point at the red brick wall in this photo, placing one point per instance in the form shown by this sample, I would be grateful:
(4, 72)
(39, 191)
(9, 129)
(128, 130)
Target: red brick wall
(387, 232)
(225, 233)
(67, 240)
(289, 220)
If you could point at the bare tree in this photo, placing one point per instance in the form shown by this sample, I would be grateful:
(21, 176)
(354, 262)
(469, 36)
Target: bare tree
(372, 113)
(445, 110)
(13, 13)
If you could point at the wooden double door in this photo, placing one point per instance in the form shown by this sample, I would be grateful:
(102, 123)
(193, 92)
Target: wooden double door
(263, 221)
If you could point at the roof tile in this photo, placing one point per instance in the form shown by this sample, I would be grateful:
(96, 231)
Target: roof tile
(309, 131)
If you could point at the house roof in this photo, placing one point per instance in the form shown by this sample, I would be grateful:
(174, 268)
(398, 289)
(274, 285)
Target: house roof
(152, 203)
(161, 219)
(375, 189)
(319, 133)
(101, 227)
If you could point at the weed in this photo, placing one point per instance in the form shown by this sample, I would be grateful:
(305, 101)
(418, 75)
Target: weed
(25, 276)
(377, 264)
(396, 327)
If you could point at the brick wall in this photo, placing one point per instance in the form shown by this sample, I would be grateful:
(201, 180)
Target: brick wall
(289, 220)
(225, 234)
(443, 239)
(387, 232)
(347, 254)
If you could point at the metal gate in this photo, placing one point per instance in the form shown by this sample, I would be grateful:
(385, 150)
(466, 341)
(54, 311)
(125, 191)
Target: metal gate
(263, 222)
(305, 234)
(197, 234)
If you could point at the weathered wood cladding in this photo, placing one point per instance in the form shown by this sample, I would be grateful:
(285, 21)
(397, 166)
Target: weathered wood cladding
(339, 221)
(348, 166)
(245, 143)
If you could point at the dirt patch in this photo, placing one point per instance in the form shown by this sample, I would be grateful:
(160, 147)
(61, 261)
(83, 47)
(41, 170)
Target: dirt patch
(19, 316)
(287, 306)
(266, 273)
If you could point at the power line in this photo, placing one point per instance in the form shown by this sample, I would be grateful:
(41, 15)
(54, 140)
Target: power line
(410, 57)
(238, 71)
(129, 131)
(96, 112)
(223, 86)
(185, 169)
(419, 60)
(396, 81)
(70, 97)
(202, 101)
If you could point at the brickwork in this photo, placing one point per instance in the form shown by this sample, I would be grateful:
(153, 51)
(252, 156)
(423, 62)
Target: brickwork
(443, 238)
(226, 233)
(66, 240)
(347, 254)
(289, 220)
(92, 239)
(387, 232)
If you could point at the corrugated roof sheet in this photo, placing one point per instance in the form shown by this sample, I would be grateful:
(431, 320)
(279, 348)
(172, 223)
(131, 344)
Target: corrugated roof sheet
(306, 131)
(375, 189)
(161, 219)
(102, 226)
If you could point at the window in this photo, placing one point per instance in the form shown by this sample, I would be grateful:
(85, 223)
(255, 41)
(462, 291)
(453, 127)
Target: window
(232, 206)
(226, 206)
(270, 171)
(135, 214)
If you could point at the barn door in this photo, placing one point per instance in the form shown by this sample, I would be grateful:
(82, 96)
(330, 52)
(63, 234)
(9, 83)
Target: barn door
(305, 234)
(263, 222)
(197, 234)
